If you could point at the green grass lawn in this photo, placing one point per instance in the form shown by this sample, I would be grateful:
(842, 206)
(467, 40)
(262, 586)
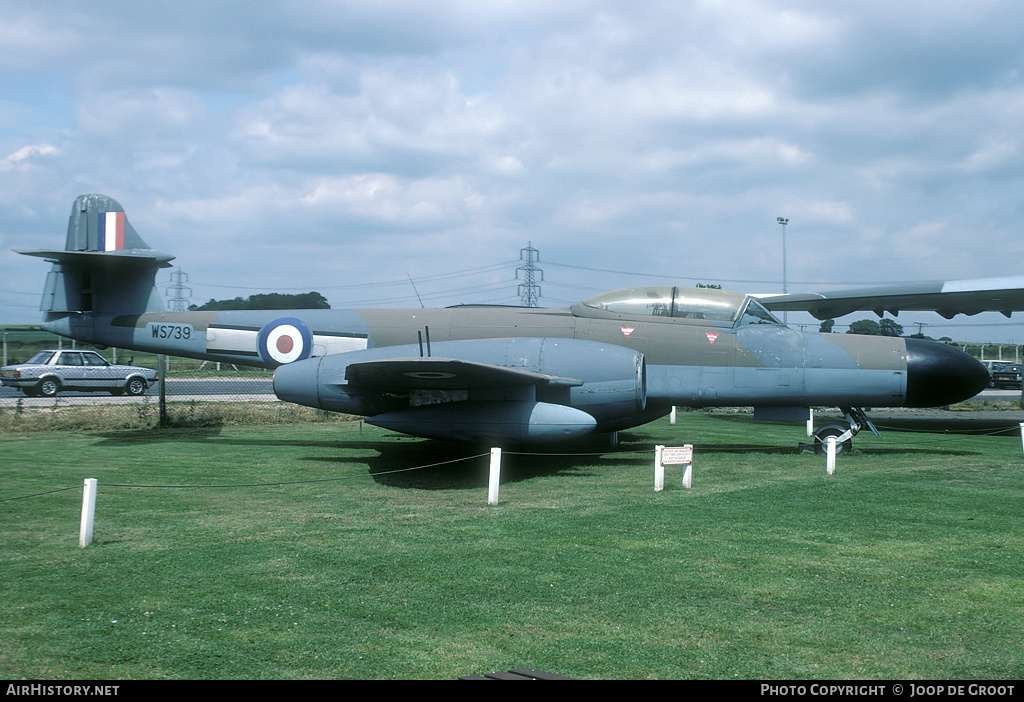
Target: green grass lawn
(905, 564)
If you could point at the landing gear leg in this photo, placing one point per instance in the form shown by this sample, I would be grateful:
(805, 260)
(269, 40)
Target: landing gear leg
(856, 420)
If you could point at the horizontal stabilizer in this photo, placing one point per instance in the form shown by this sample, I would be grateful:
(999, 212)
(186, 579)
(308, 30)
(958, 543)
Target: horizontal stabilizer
(88, 259)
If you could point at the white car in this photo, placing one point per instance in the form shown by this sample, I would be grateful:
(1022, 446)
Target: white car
(49, 372)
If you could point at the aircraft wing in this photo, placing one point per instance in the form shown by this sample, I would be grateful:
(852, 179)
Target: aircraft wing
(434, 373)
(948, 298)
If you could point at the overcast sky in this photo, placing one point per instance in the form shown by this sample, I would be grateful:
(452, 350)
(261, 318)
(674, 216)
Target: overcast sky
(350, 146)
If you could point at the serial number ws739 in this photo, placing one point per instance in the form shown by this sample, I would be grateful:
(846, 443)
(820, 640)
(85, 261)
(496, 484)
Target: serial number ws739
(174, 332)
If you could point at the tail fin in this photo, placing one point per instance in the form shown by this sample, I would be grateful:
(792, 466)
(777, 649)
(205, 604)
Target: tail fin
(105, 269)
(98, 223)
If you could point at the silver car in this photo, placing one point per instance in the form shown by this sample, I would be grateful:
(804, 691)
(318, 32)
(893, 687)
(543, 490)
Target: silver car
(49, 372)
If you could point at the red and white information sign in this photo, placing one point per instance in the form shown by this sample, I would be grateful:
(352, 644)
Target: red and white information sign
(676, 455)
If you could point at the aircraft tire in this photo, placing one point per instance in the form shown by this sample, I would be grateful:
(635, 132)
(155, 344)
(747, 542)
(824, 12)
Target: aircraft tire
(821, 438)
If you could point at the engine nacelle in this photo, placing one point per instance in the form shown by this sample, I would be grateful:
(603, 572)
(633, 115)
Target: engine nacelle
(520, 389)
(519, 422)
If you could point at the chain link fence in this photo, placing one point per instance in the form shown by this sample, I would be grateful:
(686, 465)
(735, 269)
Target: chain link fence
(186, 392)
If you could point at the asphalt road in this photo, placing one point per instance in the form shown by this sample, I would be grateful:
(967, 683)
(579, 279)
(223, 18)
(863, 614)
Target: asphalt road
(178, 390)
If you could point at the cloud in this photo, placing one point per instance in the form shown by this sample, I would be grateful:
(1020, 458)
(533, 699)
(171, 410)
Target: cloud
(27, 155)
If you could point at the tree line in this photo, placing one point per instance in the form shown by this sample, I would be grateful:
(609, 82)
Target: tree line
(869, 327)
(269, 301)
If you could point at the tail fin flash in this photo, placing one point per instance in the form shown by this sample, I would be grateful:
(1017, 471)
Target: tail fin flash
(98, 223)
(105, 268)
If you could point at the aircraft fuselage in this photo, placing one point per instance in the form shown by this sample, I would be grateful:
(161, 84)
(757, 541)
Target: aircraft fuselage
(688, 362)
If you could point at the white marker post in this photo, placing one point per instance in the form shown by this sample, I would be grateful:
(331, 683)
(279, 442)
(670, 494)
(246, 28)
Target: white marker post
(679, 455)
(1022, 434)
(495, 477)
(688, 462)
(659, 469)
(830, 455)
(88, 512)
(810, 422)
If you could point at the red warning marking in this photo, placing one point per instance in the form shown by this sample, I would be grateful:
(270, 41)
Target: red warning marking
(676, 455)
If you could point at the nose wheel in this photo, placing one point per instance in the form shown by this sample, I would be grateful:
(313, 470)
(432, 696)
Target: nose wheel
(856, 420)
(843, 445)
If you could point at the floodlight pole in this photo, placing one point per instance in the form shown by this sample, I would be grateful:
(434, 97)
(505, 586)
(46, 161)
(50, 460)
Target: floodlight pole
(783, 221)
(785, 287)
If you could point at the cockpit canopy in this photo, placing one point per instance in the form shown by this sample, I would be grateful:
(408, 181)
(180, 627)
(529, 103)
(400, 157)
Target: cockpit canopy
(708, 304)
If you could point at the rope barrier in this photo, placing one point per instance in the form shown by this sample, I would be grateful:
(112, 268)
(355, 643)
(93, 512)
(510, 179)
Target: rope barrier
(234, 485)
(300, 482)
(39, 494)
(946, 438)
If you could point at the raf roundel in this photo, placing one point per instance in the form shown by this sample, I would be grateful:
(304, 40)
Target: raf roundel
(285, 340)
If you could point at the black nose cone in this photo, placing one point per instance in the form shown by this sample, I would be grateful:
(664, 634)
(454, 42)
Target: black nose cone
(938, 374)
